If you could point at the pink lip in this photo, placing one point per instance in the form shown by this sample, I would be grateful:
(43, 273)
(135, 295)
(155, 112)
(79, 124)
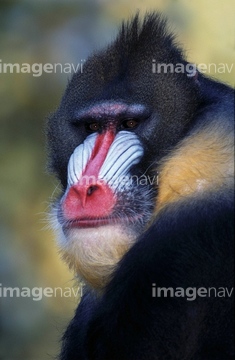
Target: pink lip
(96, 222)
(86, 223)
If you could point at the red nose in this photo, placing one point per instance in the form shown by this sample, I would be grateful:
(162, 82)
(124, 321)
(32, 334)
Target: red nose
(88, 201)
(91, 198)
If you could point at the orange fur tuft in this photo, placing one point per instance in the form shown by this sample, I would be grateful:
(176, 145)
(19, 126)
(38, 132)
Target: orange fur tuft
(202, 162)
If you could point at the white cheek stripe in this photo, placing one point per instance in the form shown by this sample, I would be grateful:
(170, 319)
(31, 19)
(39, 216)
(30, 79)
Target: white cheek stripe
(125, 151)
(79, 159)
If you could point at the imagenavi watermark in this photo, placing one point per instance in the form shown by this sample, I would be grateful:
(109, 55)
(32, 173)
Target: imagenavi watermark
(37, 69)
(191, 69)
(37, 293)
(124, 181)
(191, 293)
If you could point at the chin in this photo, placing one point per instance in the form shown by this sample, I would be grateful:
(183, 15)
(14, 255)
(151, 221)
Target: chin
(94, 252)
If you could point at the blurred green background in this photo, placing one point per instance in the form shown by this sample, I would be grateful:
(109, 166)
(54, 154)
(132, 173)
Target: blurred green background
(60, 31)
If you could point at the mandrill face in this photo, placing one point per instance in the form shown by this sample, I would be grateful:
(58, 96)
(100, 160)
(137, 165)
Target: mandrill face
(105, 206)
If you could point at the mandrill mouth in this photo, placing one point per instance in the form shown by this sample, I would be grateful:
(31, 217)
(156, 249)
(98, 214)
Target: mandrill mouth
(96, 222)
(88, 223)
(117, 218)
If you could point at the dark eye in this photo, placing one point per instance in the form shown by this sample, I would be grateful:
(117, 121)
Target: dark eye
(130, 123)
(93, 127)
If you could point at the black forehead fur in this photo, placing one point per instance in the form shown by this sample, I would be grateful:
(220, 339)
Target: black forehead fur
(123, 70)
(148, 37)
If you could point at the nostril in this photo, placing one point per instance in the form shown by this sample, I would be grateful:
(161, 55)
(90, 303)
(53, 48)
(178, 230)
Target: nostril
(91, 189)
